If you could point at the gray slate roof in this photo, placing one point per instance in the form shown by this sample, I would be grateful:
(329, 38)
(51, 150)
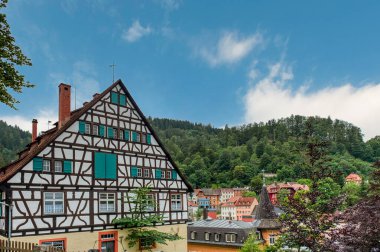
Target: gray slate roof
(234, 224)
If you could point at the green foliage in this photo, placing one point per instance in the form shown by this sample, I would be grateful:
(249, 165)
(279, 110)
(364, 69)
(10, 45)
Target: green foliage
(256, 184)
(233, 156)
(249, 194)
(140, 222)
(11, 56)
(327, 191)
(251, 244)
(352, 192)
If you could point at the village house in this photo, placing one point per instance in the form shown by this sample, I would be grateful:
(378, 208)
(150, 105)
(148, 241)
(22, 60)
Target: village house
(209, 197)
(291, 187)
(217, 235)
(353, 178)
(71, 181)
(236, 207)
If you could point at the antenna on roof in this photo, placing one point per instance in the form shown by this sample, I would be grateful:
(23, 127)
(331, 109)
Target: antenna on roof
(113, 71)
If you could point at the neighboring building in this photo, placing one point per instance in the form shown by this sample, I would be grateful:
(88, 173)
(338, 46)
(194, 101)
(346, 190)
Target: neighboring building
(204, 203)
(354, 178)
(245, 206)
(71, 181)
(192, 209)
(239, 191)
(212, 195)
(217, 235)
(228, 209)
(292, 187)
(266, 220)
(226, 194)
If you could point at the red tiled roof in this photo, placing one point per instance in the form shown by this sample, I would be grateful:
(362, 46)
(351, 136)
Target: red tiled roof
(354, 176)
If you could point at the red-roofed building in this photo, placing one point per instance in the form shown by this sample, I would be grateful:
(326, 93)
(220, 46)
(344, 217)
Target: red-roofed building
(292, 187)
(354, 178)
(245, 206)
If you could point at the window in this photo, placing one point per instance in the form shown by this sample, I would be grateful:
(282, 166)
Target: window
(143, 138)
(217, 237)
(121, 134)
(46, 165)
(87, 129)
(272, 239)
(139, 172)
(95, 130)
(163, 174)
(193, 235)
(176, 202)
(105, 165)
(230, 237)
(138, 137)
(106, 202)
(150, 202)
(168, 174)
(58, 166)
(207, 236)
(146, 173)
(55, 243)
(53, 203)
(115, 135)
(258, 235)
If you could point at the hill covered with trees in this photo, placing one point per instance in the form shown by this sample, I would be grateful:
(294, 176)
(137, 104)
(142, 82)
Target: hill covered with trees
(12, 140)
(235, 156)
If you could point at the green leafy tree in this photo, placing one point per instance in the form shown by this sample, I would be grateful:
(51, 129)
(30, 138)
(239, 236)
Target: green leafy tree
(249, 194)
(11, 56)
(251, 244)
(256, 184)
(141, 223)
(352, 192)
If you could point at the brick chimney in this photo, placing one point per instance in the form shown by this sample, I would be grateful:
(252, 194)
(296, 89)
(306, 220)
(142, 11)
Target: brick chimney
(64, 108)
(34, 129)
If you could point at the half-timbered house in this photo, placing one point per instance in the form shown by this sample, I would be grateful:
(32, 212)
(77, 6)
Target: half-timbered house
(71, 181)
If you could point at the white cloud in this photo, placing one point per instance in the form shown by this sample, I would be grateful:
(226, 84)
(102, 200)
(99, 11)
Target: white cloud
(135, 32)
(25, 123)
(229, 49)
(271, 98)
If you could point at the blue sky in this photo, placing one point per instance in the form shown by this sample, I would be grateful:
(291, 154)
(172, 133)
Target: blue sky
(217, 62)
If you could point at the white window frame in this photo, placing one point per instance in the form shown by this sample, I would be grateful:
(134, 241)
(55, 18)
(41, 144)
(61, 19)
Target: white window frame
(109, 201)
(163, 174)
(146, 173)
(55, 244)
(217, 237)
(150, 202)
(207, 236)
(87, 128)
(115, 133)
(193, 235)
(139, 172)
(56, 166)
(46, 165)
(168, 175)
(54, 200)
(121, 134)
(143, 138)
(95, 130)
(176, 202)
(272, 239)
(231, 238)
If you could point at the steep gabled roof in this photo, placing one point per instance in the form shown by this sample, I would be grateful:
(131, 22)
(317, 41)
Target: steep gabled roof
(43, 141)
(265, 215)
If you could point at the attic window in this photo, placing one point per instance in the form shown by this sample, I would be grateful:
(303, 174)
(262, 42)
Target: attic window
(231, 238)
(217, 237)
(193, 235)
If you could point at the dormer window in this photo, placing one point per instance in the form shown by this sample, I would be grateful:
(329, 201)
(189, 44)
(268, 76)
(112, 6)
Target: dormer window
(231, 238)
(193, 235)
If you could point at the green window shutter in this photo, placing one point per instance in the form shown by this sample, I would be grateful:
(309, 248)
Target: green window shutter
(123, 100)
(148, 138)
(37, 164)
(82, 127)
(67, 166)
(101, 130)
(100, 165)
(134, 136)
(174, 175)
(110, 132)
(133, 171)
(111, 166)
(114, 97)
(158, 173)
(126, 135)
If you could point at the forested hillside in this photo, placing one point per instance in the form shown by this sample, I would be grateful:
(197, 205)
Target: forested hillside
(12, 140)
(234, 156)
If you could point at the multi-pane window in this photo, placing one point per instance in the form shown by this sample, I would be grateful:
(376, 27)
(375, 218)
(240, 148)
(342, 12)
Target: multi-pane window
(272, 239)
(138, 137)
(163, 174)
(139, 172)
(106, 202)
(58, 166)
(176, 202)
(121, 134)
(87, 128)
(53, 203)
(146, 173)
(143, 138)
(55, 244)
(150, 202)
(230, 237)
(168, 174)
(217, 237)
(114, 133)
(207, 236)
(193, 234)
(46, 165)
(95, 129)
